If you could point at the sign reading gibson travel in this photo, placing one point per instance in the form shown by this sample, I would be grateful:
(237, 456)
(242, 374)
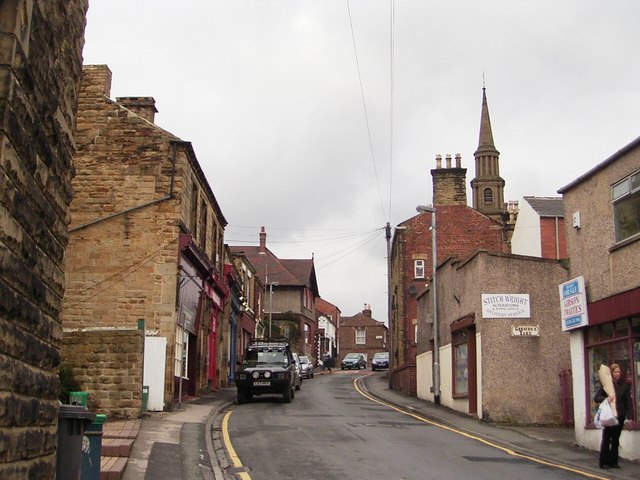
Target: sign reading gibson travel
(505, 305)
(573, 304)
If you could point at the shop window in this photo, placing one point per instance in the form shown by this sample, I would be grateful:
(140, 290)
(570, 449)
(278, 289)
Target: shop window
(460, 352)
(617, 342)
(182, 352)
(626, 207)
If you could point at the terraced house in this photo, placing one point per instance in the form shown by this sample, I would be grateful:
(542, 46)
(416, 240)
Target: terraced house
(145, 272)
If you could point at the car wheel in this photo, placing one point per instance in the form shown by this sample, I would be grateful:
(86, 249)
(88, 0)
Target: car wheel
(243, 397)
(288, 395)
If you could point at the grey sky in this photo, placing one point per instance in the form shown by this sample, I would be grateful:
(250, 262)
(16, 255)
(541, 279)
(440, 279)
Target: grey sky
(268, 93)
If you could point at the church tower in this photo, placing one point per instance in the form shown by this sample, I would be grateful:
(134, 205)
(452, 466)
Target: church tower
(487, 186)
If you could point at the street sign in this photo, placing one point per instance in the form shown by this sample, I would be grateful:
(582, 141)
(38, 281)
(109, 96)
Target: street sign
(525, 330)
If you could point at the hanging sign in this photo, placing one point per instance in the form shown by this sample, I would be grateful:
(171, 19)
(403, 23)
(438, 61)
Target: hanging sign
(573, 304)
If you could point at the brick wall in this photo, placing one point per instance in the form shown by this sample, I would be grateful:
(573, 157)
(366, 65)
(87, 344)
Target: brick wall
(109, 365)
(41, 49)
(553, 239)
(376, 336)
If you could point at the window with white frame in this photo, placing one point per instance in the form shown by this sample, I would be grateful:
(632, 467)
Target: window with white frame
(306, 334)
(182, 352)
(626, 206)
(418, 268)
(361, 336)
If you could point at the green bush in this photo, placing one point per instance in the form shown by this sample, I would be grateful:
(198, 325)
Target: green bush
(68, 383)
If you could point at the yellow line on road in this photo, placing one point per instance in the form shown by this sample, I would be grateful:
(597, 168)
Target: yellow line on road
(235, 460)
(473, 437)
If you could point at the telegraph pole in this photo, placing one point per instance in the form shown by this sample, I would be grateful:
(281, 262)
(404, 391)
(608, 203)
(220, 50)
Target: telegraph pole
(387, 231)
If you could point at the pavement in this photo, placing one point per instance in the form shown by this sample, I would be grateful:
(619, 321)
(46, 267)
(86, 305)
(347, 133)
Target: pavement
(186, 443)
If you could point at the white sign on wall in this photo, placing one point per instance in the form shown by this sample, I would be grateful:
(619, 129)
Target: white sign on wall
(573, 304)
(505, 305)
(525, 330)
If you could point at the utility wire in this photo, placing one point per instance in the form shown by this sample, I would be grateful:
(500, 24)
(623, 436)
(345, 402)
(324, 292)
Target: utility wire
(364, 106)
(392, 17)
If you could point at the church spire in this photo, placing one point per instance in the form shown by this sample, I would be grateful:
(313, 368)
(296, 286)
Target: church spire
(487, 186)
(485, 141)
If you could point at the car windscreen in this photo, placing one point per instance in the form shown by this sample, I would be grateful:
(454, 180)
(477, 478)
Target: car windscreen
(255, 358)
(304, 360)
(350, 356)
(383, 356)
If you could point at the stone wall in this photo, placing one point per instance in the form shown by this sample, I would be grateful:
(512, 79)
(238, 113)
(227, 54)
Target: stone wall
(109, 365)
(40, 65)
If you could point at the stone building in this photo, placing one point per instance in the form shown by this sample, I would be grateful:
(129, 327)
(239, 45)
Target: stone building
(602, 208)
(145, 251)
(500, 342)
(41, 48)
(291, 292)
(361, 333)
(244, 311)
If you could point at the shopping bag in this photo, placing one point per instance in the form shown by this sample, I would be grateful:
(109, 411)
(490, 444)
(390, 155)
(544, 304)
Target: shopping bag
(604, 416)
(604, 374)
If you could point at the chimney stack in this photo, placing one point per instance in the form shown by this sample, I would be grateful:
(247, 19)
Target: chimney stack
(367, 310)
(143, 106)
(449, 184)
(96, 78)
(263, 240)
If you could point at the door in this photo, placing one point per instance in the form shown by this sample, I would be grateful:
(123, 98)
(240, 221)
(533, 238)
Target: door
(155, 353)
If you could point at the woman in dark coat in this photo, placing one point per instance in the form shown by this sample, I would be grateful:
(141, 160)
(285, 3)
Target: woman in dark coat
(611, 435)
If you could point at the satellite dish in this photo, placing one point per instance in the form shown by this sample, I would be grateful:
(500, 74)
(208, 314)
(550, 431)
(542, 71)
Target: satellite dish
(413, 290)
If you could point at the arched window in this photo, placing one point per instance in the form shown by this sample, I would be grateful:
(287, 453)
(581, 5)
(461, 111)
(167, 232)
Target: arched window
(488, 196)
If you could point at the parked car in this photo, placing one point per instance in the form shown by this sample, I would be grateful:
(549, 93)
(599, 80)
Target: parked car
(267, 367)
(297, 382)
(354, 360)
(380, 360)
(306, 367)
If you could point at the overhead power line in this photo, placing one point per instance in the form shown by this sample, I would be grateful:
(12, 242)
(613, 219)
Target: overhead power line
(364, 106)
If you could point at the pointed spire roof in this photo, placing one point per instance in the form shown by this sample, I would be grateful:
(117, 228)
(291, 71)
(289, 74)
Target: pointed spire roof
(485, 142)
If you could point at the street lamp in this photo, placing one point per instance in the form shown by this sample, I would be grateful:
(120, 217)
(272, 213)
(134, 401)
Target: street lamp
(271, 304)
(436, 328)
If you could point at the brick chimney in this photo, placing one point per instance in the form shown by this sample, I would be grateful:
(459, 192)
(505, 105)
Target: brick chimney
(263, 240)
(96, 79)
(449, 183)
(143, 106)
(367, 310)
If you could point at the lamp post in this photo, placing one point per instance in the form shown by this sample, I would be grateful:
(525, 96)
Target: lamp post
(436, 328)
(271, 304)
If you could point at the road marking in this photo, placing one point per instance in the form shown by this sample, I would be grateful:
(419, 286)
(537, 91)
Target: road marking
(235, 460)
(472, 437)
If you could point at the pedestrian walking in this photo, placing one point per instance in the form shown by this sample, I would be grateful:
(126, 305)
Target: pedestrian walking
(611, 435)
(327, 361)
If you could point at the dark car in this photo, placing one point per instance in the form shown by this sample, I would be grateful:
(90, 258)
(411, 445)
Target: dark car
(267, 368)
(306, 367)
(354, 360)
(380, 360)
